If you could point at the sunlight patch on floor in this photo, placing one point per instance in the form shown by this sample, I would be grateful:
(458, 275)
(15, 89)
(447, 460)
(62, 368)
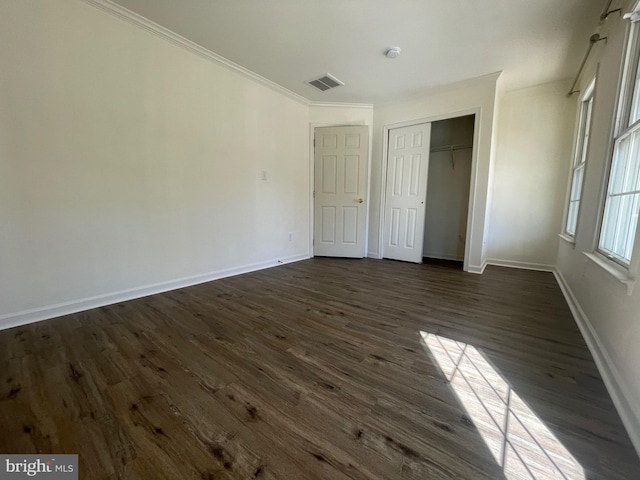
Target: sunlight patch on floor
(521, 444)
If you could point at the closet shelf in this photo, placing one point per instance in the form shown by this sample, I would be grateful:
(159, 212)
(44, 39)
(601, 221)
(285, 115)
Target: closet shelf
(450, 148)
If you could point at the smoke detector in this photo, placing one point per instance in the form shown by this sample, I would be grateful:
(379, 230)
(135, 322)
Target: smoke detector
(393, 52)
(325, 82)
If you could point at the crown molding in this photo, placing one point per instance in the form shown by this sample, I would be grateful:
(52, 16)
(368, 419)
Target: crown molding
(166, 34)
(367, 106)
(488, 79)
(554, 87)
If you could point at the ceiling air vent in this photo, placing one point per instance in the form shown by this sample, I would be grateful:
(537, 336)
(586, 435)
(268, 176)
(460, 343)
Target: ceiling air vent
(326, 82)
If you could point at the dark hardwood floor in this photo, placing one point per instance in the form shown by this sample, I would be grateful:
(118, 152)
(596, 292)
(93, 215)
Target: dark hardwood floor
(322, 369)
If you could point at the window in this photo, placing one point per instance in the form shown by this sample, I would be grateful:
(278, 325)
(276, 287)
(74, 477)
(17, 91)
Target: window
(579, 159)
(622, 202)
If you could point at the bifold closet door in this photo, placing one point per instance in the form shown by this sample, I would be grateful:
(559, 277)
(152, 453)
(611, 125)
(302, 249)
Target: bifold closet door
(406, 192)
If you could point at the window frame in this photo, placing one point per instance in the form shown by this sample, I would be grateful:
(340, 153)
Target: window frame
(629, 71)
(629, 80)
(580, 155)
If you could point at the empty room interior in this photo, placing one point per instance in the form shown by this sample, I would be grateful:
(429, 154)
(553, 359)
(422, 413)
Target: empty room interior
(287, 239)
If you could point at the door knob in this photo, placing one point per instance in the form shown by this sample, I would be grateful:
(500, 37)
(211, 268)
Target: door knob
(360, 200)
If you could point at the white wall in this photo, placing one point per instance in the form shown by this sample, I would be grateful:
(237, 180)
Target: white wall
(535, 137)
(477, 95)
(340, 114)
(447, 205)
(127, 161)
(608, 315)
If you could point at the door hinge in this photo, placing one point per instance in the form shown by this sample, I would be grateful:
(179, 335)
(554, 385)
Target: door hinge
(314, 194)
(314, 142)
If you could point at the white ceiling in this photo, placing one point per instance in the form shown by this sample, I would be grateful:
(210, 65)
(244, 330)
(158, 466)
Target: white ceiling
(291, 41)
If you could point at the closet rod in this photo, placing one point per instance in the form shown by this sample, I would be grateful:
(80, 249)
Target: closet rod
(450, 148)
(595, 38)
(606, 12)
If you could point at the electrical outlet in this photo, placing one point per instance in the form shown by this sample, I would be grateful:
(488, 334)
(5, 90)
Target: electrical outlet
(290, 236)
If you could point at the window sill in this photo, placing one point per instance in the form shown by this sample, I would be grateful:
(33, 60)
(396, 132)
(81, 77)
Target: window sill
(570, 240)
(614, 270)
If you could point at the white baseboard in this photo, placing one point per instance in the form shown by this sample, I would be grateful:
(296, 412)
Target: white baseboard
(38, 314)
(522, 265)
(477, 269)
(614, 382)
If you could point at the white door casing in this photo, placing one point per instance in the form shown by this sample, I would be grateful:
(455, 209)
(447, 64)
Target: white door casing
(406, 192)
(340, 186)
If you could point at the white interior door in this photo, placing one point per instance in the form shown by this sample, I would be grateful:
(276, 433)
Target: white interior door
(406, 192)
(340, 186)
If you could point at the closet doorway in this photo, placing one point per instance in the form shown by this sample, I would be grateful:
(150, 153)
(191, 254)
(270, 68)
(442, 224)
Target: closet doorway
(447, 206)
(427, 190)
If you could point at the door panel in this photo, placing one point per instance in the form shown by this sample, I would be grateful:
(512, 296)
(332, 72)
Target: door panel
(329, 174)
(406, 192)
(340, 177)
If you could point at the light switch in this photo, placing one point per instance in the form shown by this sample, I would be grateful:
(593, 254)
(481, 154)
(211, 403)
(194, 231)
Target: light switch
(263, 175)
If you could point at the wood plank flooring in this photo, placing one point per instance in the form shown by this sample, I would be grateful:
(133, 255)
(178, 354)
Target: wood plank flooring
(313, 370)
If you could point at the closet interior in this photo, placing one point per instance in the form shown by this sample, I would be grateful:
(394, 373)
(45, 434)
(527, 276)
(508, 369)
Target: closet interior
(449, 181)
